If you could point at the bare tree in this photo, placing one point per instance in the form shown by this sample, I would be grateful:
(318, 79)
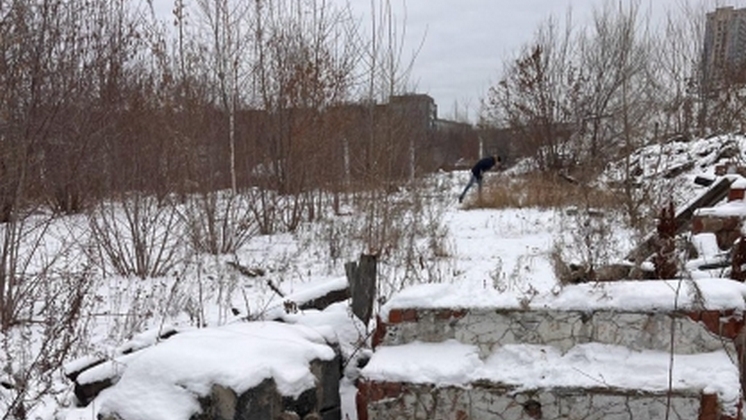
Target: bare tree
(227, 23)
(304, 59)
(62, 67)
(538, 96)
(388, 70)
(622, 113)
(677, 69)
(616, 55)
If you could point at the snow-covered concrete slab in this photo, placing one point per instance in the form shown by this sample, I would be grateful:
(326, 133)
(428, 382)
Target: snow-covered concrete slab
(592, 366)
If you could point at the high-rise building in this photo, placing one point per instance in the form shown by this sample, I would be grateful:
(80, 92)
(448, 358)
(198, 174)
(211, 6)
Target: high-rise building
(724, 51)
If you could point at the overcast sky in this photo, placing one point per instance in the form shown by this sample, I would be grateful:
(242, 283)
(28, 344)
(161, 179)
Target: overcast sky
(466, 41)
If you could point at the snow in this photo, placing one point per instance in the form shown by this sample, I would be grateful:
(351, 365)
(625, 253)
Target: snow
(593, 365)
(78, 364)
(450, 295)
(442, 364)
(508, 248)
(487, 258)
(705, 244)
(731, 208)
(109, 369)
(646, 296)
(307, 293)
(335, 323)
(739, 183)
(146, 339)
(162, 381)
(630, 296)
(728, 208)
(532, 367)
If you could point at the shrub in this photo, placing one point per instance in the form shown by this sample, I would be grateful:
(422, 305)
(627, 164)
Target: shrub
(541, 190)
(139, 236)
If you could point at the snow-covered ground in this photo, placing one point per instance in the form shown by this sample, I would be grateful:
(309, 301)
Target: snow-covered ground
(507, 249)
(506, 254)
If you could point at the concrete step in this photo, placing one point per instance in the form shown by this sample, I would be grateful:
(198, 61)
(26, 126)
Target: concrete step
(485, 401)
(642, 350)
(451, 380)
(691, 331)
(687, 327)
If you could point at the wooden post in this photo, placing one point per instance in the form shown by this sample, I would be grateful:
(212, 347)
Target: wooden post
(362, 279)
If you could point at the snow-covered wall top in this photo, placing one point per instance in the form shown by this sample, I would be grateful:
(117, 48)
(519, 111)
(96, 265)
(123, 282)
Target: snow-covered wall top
(623, 296)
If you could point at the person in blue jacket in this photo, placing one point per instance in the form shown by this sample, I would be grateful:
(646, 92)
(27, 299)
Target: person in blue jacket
(484, 164)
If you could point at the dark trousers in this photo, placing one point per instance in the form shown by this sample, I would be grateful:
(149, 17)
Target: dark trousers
(474, 180)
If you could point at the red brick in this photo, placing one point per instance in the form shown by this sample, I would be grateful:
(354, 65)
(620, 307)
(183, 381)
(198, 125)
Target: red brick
(736, 194)
(376, 391)
(708, 408)
(711, 320)
(379, 334)
(446, 314)
(409, 315)
(727, 237)
(726, 324)
(443, 314)
(361, 401)
(395, 316)
(732, 223)
(731, 326)
(698, 225)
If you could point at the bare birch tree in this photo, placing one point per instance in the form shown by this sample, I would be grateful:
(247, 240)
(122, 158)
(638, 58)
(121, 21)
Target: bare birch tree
(227, 23)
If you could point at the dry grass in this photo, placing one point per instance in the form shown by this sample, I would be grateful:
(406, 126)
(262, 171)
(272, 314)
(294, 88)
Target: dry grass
(539, 191)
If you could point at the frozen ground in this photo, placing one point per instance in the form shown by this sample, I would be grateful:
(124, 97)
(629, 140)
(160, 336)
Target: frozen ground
(505, 252)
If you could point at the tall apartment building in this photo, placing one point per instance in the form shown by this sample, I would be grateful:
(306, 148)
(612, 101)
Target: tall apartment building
(724, 50)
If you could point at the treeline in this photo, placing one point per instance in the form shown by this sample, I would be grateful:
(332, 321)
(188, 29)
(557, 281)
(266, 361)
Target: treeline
(580, 96)
(102, 97)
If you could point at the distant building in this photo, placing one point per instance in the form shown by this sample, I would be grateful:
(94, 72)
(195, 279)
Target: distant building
(724, 50)
(454, 145)
(408, 128)
(420, 108)
(438, 143)
(397, 139)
